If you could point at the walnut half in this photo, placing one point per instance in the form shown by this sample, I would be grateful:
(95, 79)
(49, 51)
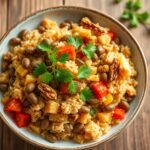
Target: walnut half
(47, 92)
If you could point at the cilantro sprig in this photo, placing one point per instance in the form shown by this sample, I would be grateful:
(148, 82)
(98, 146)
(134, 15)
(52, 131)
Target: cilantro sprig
(93, 111)
(75, 41)
(86, 94)
(39, 69)
(73, 87)
(132, 14)
(89, 50)
(84, 72)
(44, 46)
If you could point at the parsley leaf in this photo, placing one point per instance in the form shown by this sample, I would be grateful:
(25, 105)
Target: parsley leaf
(63, 75)
(63, 58)
(46, 77)
(73, 87)
(93, 111)
(134, 20)
(83, 72)
(86, 94)
(44, 46)
(41, 68)
(52, 56)
(126, 15)
(129, 4)
(76, 42)
(137, 5)
(143, 17)
(89, 50)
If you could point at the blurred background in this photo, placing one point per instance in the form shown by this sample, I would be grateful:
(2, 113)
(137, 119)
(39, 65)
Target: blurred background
(134, 137)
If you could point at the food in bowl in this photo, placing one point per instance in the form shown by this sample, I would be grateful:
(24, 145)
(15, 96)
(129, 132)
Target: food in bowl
(69, 81)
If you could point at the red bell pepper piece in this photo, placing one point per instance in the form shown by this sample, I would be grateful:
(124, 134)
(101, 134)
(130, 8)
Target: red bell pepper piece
(64, 88)
(67, 49)
(13, 105)
(119, 113)
(22, 119)
(80, 54)
(112, 35)
(99, 89)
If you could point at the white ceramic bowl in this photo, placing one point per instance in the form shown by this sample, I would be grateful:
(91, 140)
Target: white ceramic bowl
(60, 14)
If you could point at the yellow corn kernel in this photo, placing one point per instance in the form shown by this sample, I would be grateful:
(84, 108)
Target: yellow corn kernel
(5, 99)
(93, 78)
(108, 99)
(84, 118)
(88, 62)
(52, 107)
(93, 70)
(104, 39)
(104, 117)
(21, 71)
(48, 23)
(34, 128)
(29, 79)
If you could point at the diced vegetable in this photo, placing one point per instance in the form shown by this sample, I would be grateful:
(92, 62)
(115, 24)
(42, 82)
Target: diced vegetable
(22, 119)
(67, 49)
(80, 54)
(93, 78)
(112, 35)
(83, 118)
(99, 89)
(21, 71)
(108, 99)
(105, 117)
(29, 79)
(52, 107)
(13, 105)
(119, 113)
(5, 99)
(35, 128)
(64, 88)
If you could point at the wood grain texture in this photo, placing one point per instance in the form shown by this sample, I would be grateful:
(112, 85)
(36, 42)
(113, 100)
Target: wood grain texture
(137, 135)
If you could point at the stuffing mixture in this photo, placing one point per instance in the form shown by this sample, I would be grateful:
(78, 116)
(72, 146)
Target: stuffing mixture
(69, 81)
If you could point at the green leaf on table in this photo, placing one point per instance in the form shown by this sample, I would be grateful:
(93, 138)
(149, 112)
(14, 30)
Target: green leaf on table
(134, 20)
(143, 17)
(93, 111)
(73, 87)
(63, 58)
(39, 69)
(84, 72)
(75, 41)
(129, 4)
(46, 77)
(44, 46)
(137, 5)
(86, 94)
(63, 75)
(117, 1)
(89, 50)
(126, 15)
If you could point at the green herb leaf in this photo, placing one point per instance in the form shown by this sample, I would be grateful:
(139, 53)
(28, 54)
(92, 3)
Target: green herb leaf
(93, 111)
(134, 20)
(129, 4)
(76, 42)
(86, 94)
(52, 56)
(89, 50)
(63, 58)
(73, 87)
(63, 75)
(117, 1)
(41, 68)
(137, 5)
(143, 17)
(126, 15)
(44, 46)
(46, 77)
(84, 72)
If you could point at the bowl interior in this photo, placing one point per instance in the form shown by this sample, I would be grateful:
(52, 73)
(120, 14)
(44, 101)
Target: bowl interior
(60, 14)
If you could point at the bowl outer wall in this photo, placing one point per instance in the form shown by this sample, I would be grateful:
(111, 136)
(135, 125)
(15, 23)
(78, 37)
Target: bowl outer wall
(91, 14)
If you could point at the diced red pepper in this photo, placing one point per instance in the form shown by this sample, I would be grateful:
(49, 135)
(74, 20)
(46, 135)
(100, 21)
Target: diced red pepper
(67, 49)
(22, 119)
(13, 105)
(80, 54)
(112, 35)
(99, 89)
(86, 40)
(64, 88)
(119, 113)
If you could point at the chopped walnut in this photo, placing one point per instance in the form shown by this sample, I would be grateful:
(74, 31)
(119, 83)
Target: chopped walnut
(47, 92)
(113, 70)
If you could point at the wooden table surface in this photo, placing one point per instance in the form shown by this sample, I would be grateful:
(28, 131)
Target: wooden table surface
(134, 137)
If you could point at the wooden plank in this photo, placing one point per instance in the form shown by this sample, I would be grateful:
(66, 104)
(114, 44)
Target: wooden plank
(17, 9)
(3, 27)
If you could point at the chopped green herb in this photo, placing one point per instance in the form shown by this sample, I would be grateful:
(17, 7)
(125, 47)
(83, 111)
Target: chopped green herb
(76, 42)
(93, 111)
(134, 20)
(73, 87)
(89, 50)
(46, 77)
(137, 5)
(63, 75)
(41, 68)
(44, 46)
(52, 56)
(86, 94)
(63, 58)
(84, 72)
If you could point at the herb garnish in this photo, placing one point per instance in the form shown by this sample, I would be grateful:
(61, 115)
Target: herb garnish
(76, 42)
(86, 94)
(84, 72)
(93, 111)
(73, 87)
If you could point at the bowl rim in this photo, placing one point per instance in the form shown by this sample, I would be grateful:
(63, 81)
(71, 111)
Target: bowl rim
(141, 99)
